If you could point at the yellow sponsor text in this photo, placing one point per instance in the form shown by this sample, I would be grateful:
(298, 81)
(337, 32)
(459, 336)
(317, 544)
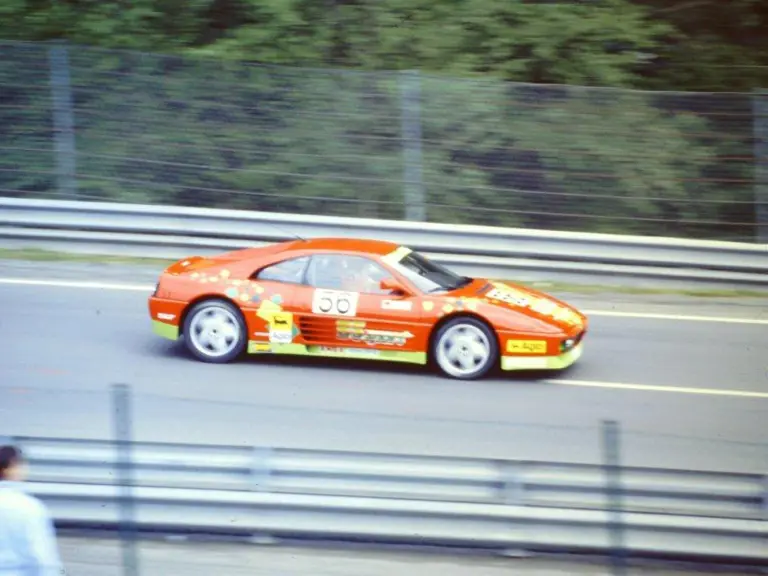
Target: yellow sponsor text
(258, 347)
(527, 346)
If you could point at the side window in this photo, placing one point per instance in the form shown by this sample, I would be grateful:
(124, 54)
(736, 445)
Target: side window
(348, 273)
(289, 271)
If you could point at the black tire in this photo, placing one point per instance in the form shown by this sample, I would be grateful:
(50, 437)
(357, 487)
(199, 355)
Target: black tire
(230, 321)
(474, 330)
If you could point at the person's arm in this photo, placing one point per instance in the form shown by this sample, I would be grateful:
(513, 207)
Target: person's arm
(42, 543)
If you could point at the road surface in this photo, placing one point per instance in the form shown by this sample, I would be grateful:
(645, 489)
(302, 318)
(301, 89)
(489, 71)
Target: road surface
(102, 557)
(688, 393)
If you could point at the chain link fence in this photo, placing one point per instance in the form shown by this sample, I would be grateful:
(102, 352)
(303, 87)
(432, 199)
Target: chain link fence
(94, 124)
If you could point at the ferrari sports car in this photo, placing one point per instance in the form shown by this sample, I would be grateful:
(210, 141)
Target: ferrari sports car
(336, 297)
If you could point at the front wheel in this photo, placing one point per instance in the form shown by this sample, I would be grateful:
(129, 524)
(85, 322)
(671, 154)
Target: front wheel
(465, 348)
(214, 331)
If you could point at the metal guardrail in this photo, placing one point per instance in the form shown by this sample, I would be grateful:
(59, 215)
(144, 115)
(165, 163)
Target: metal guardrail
(175, 232)
(407, 499)
(525, 483)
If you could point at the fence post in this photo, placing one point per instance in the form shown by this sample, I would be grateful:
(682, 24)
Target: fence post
(63, 120)
(123, 420)
(410, 91)
(760, 151)
(612, 460)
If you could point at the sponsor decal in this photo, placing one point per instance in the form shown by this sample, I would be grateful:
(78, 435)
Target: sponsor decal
(508, 296)
(527, 346)
(567, 316)
(543, 306)
(335, 302)
(165, 316)
(281, 328)
(347, 351)
(267, 309)
(546, 307)
(254, 347)
(356, 326)
(357, 332)
(404, 305)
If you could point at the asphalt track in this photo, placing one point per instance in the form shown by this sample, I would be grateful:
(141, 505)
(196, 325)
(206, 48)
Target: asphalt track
(698, 394)
(102, 557)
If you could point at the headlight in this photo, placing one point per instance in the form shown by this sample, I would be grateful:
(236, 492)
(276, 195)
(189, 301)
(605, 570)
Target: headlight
(567, 344)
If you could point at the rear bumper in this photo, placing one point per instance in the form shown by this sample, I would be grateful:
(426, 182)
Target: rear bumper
(165, 316)
(564, 360)
(168, 331)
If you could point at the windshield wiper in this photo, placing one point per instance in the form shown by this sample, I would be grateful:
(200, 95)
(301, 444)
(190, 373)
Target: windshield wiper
(462, 282)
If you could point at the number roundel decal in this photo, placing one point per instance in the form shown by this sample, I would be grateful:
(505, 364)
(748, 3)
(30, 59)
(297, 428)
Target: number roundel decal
(335, 303)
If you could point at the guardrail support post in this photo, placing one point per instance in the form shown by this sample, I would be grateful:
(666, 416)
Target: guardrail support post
(415, 203)
(513, 484)
(613, 487)
(63, 120)
(123, 420)
(260, 468)
(765, 496)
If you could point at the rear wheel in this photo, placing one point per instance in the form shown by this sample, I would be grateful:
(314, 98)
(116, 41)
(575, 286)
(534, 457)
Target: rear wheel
(214, 331)
(465, 348)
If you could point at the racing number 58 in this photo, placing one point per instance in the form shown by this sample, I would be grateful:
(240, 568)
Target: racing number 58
(334, 302)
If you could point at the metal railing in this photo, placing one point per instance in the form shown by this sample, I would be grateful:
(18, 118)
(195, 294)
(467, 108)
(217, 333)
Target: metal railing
(379, 498)
(177, 232)
(405, 477)
(423, 523)
(277, 493)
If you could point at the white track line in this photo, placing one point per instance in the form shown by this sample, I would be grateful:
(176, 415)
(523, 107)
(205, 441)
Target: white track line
(78, 284)
(148, 288)
(649, 388)
(654, 316)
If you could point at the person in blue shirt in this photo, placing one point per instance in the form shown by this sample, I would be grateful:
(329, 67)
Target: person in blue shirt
(27, 535)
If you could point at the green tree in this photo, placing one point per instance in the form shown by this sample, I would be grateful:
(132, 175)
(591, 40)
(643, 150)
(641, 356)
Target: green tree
(714, 46)
(151, 25)
(198, 126)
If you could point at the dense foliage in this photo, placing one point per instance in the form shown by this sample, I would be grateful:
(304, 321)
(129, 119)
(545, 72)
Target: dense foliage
(190, 110)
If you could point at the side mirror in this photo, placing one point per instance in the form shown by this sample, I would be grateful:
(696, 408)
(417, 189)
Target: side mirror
(393, 286)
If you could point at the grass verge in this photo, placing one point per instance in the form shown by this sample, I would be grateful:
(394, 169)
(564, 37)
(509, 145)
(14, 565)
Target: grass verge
(38, 255)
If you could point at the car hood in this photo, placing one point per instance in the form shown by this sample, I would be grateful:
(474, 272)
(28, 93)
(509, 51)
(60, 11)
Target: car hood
(529, 302)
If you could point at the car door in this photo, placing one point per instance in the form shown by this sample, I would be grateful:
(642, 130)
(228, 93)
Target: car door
(344, 306)
(274, 305)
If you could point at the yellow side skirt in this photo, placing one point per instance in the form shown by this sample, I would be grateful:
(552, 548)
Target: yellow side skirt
(255, 347)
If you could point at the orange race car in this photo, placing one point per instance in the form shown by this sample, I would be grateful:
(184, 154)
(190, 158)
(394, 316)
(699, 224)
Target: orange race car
(360, 299)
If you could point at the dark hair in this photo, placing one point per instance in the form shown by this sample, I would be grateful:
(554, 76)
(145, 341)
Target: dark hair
(9, 456)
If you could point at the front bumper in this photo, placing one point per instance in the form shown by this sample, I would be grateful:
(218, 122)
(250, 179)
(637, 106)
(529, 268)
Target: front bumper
(564, 360)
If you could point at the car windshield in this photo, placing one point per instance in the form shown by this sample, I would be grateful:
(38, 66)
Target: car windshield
(427, 275)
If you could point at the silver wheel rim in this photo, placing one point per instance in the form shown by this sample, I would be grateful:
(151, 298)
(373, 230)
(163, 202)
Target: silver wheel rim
(214, 331)
(463, 350)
